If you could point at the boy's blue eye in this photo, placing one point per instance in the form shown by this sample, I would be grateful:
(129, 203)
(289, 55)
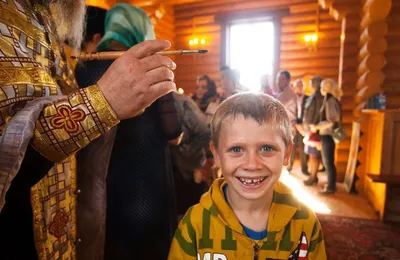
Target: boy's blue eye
(236, 149)
(266, 148)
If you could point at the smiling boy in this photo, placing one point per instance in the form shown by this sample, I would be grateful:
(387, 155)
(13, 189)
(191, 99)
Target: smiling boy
(249, 214)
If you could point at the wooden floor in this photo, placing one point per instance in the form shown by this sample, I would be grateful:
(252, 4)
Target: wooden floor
(340, 204)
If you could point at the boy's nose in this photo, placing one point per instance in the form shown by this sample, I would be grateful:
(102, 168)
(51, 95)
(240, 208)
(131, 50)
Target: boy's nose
(252, 162)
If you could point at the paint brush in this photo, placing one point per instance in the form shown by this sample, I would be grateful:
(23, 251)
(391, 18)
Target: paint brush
(112, 55)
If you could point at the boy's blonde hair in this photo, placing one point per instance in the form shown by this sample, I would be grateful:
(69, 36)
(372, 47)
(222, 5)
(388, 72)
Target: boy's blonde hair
(261, 107)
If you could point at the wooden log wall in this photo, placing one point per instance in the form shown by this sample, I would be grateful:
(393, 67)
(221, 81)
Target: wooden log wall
(163, 19)
(294, 56)
(297, 59)
(391, 85)
(347, 81)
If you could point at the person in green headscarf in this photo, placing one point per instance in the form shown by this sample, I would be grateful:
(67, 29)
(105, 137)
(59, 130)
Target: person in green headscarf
(125, 26)
(141, 213)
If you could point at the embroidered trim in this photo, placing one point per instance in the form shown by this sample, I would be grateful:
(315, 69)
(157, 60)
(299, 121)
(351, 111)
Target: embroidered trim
(10, 17)
(23, 75)
(70, 124)
(49, 196)
(100, 104)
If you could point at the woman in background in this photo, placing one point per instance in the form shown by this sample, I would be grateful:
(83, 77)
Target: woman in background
(199, 97)
(209, 85)
(330, 119)
(310, 119)
(206, 91)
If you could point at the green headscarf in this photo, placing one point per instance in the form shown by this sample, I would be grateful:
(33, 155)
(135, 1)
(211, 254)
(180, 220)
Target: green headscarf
(126, 24)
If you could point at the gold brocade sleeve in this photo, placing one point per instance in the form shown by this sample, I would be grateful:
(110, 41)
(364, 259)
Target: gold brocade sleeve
(68, 125)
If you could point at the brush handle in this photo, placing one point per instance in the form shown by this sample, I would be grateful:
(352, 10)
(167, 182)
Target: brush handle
(112, 55)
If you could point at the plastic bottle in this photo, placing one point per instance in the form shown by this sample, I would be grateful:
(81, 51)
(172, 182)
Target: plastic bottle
(382, 101)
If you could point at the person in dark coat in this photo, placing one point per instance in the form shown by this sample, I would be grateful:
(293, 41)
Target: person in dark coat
(141, 210)
(298, 88)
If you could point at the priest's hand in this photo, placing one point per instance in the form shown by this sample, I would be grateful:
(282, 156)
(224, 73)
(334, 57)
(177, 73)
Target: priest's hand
(139, 77)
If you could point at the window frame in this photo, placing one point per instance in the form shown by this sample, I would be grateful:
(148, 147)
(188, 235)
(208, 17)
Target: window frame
(274, 16)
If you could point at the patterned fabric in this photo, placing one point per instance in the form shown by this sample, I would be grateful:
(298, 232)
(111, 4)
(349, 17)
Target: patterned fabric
(70, 124)
(302, 249)
(33, 65)
(354, 238)
(210, 230)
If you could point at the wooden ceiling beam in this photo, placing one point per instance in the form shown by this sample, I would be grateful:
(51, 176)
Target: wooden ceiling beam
(227, 6)
(206, 4)
(338, 9)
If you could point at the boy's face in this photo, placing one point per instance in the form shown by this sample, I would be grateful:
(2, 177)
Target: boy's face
(251, 156)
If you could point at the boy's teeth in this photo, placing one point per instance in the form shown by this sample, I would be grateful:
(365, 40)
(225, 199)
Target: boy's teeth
(251, 181)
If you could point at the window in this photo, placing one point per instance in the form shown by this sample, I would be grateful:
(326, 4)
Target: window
(250, 51)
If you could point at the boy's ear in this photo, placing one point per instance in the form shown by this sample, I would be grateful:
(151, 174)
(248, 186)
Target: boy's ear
(288, 153)
(213, 149)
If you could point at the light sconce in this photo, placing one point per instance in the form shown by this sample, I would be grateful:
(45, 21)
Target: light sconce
(181, 91)
(311, 41)
(197, 42)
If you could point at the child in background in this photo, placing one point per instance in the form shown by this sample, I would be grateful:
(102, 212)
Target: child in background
(249, 214)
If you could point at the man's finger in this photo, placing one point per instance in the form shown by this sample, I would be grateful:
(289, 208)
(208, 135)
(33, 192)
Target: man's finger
(147, 48)
(156, 60)
(158, 75)
(160, 89)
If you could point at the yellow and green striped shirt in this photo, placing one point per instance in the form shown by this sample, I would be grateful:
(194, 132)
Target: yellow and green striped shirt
(210, 230)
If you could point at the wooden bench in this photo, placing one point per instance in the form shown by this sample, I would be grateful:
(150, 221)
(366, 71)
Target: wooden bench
(388, 179)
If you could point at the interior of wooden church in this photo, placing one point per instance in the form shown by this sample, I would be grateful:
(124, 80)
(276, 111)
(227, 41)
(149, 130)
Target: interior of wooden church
(165, 184)
(354, 42)
(357, 43)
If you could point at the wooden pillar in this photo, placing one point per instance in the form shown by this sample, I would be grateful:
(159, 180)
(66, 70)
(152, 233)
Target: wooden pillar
(391, 85)
(372, 53)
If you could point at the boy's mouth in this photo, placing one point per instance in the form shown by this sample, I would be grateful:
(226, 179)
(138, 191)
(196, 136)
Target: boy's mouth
(251, 181)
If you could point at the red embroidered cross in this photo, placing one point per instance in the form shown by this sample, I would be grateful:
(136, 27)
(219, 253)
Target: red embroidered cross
(67, 119)
(58, 227)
